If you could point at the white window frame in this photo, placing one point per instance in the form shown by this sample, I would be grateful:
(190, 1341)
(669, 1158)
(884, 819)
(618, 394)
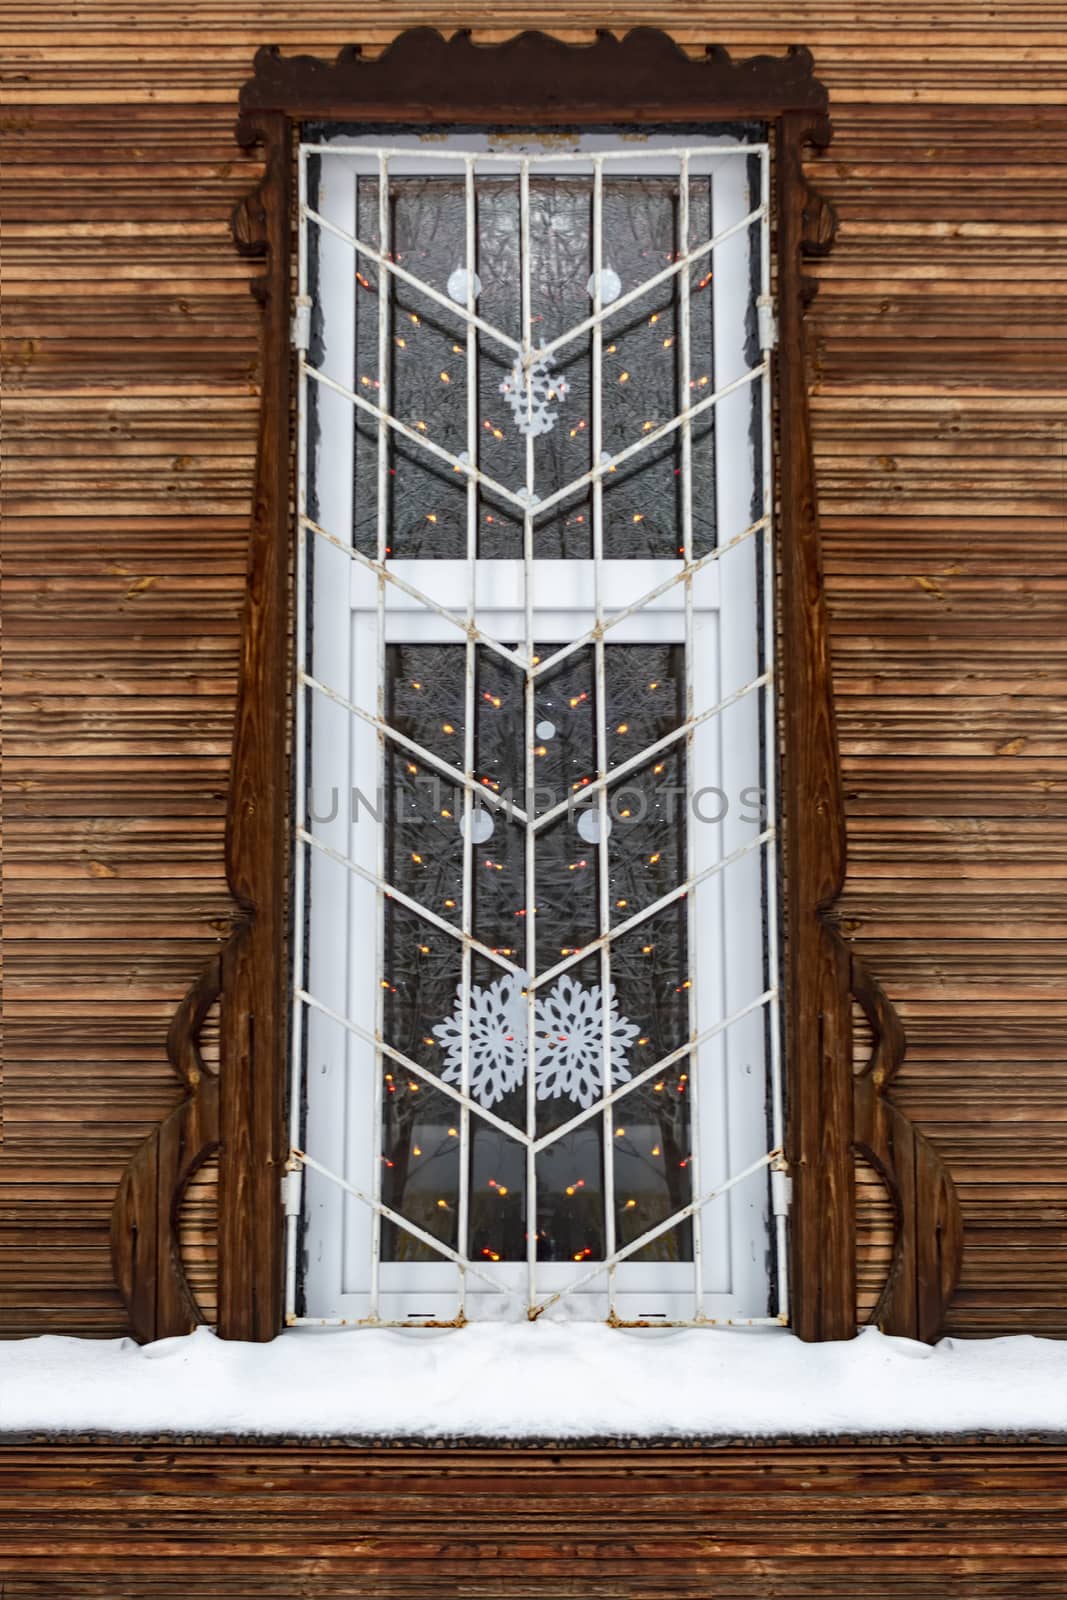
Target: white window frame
(357, 605)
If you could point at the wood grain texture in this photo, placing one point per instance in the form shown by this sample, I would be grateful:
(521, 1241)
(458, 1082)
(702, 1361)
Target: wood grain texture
(427, 75)
(818, 1009)
(146, 1241)
(939, 412)
(790, 1521)
(928, 1228)
(254, 1015)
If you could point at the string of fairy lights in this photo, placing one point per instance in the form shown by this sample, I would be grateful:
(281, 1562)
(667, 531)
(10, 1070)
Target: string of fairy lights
(613, 875)
(421, 351)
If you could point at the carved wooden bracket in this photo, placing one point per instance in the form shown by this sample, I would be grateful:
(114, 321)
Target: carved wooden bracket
(928, 1232)
(144, 1221)
(240, 1113)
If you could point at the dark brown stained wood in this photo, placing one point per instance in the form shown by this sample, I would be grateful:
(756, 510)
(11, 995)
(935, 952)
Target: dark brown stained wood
(424, 75)
(876, 1227)
(925, 1267)
(145, 1246)
(939, 426)
(833, 1521)
(197, 1233)
(818, 1017)
(253, 1033)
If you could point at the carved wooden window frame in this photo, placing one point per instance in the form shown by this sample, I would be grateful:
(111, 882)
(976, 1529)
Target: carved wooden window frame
(535, 80)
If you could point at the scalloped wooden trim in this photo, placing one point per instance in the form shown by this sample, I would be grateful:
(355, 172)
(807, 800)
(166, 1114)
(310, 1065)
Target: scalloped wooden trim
(928, 1234)
(239, 1114)
(145, 1250)
(532, 77)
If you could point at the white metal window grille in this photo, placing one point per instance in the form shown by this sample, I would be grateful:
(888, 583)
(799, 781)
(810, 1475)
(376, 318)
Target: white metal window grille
(536, 1062)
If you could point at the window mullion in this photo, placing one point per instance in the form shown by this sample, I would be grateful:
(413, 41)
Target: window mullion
(530, 918)
(770, 738)
(603, 863)
(686, 464)
(300, 695)
(382, 508)
(469, 747)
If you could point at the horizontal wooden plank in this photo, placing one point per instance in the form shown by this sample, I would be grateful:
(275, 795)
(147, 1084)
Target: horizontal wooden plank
(830, 1519)
(939, 404)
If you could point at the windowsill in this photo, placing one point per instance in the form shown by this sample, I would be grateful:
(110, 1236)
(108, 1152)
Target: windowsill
(578, 1381)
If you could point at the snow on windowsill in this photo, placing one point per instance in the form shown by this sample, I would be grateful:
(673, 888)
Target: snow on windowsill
(533, 1380)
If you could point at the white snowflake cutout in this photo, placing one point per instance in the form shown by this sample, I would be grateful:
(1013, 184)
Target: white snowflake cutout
(570, 1050)
(569, 1029)
(497, 1039)
(531, 410)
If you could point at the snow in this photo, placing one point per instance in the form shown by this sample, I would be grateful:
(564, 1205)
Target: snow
(529, 1380)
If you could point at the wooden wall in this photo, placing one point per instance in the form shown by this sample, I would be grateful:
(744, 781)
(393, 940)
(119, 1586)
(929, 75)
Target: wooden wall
(773, 1521)
(939, 392)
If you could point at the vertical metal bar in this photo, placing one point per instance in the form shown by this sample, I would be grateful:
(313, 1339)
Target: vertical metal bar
(382, 508)
(607, 1134)
(300, 692)
(470, 662)
(528, 764)
(686, 432)
(770, 734)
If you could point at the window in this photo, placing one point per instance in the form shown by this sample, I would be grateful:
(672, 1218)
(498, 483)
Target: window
(536, 1042)
(462, 606)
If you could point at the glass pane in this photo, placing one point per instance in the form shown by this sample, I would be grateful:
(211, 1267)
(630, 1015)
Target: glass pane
(426, 369)
(429, 1016)
(513, 930)
(652, 1160)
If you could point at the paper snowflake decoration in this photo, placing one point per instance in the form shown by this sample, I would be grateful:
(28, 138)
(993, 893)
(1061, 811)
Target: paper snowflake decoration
(568, 1028)
(497, 1033)
(530, 407)
(570, 1042)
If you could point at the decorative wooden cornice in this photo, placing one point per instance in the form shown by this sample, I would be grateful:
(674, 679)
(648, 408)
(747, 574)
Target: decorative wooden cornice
(533, 78)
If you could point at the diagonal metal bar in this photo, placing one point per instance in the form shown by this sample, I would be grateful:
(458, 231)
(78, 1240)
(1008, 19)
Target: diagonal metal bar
(677, 893)
(654, 1233)
(681, 265)
(662, 1065)
(390, 273)
(381, 570)
(528, 503)
(413, 435)
(508, 1128)
(467, 940)
(687, 571)
(500, 802)
(302, 1158)
(642, 756)
(384, 263)
(602, 468)
(596, 319)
